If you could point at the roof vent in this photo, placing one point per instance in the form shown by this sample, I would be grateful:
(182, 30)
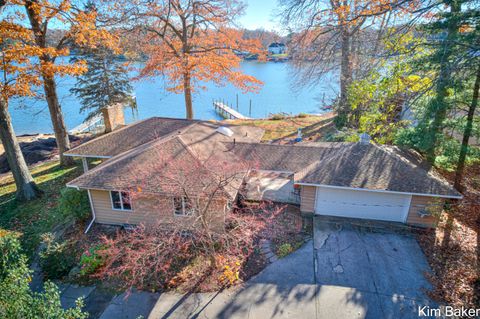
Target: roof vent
(224, 130)
(364, 139)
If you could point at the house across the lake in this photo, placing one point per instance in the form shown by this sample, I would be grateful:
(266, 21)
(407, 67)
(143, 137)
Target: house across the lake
(355, 180)
(277, 48)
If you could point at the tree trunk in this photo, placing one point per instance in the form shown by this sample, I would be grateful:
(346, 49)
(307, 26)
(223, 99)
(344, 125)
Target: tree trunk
(439, 106)
(467, 133)
(61, 133)
(187, 89)
(345, 76)
(26, 187)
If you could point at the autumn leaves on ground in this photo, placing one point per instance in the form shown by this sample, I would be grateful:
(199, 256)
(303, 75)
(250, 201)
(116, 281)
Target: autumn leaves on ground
(453, 249)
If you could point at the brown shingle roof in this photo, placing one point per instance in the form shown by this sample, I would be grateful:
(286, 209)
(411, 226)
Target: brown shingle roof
(144, 166)
(131, 136)
(350, 165)
(136, 149)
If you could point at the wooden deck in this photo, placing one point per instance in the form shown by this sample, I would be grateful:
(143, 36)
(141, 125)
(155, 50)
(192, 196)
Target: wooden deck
(228, 113)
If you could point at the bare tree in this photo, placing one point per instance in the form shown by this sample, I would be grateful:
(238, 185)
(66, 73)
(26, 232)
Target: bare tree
(329, 34)
(208, 222)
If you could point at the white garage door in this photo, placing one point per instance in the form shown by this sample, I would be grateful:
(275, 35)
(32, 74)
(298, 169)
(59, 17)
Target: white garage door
(362, 204)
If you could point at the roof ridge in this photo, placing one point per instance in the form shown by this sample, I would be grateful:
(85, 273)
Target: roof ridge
(201, 162)
(123, 155)
(327, 144)
(96, 139)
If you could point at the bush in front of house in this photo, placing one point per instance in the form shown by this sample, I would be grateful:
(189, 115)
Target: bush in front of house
(58, 258)
(10, 251)
(284, 250)
(91, 260)
(16, 298)
(75, 203)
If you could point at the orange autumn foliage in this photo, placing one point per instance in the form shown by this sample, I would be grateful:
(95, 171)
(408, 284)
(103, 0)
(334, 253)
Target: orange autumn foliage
(26, 58)
(192, 42)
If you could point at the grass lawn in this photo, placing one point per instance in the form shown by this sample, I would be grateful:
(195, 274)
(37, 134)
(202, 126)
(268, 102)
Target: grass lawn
(314, 127)
(39, 216)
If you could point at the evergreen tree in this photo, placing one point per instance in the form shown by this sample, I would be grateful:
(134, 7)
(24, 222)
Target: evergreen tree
(451, 41)
(105, 83)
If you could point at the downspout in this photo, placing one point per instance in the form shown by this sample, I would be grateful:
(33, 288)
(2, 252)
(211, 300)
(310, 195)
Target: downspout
(93, 211)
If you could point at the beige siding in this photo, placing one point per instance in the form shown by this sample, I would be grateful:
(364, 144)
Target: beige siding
(419, 203)
(150, 210)
(307, 199)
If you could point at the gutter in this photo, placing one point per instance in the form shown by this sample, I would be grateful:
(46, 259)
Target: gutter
(379, 190)
(93, 212)
(91, 207)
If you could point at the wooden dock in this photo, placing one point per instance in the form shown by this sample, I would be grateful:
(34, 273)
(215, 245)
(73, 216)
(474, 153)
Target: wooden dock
(227, 112)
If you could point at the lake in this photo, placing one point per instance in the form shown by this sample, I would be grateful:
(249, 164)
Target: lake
(31, 116)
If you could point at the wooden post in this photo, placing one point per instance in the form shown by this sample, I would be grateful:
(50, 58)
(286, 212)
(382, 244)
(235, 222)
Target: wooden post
(250, 109)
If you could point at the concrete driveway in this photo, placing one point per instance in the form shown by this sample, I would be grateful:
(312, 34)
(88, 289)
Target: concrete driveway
(346, 272)
(368, 273)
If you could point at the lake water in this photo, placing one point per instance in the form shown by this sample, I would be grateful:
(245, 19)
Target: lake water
(277, 95)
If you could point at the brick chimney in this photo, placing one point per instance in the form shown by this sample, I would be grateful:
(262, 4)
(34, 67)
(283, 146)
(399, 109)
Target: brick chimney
(113, 117)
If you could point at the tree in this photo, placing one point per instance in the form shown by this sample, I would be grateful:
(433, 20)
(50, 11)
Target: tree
(190, 42)
(152, 256)
(325, 27)
(18, 77)
(450, 23)
(105, 83)
(16, 298)
(467, 133)
(380, 100)
(82, 31)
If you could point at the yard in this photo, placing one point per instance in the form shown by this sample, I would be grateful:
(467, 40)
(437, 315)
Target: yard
(39, 216)
(280, 128)
(453, 249)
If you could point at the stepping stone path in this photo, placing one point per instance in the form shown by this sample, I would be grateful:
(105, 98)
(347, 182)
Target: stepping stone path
(266, 249)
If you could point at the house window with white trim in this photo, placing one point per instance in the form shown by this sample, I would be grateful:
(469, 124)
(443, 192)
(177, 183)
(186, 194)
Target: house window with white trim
(182, 206)
(120, 200)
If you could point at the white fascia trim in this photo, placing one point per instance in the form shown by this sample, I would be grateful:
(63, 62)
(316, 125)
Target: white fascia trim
(379, 191)
(90, 156)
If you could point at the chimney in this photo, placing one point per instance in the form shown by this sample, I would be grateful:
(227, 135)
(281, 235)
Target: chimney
(113, 117)
(364, 139)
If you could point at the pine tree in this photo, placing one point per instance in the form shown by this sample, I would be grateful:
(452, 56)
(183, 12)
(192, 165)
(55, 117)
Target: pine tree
(105, 83)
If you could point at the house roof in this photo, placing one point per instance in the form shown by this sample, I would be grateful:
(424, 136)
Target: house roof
(130, 136)
(157, 166)
(351, 165)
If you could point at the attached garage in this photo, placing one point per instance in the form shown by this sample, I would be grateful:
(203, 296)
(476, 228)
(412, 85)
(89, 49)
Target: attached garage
(362, 204)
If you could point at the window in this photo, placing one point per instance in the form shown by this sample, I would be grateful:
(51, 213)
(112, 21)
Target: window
(120, 200)
(182, 206)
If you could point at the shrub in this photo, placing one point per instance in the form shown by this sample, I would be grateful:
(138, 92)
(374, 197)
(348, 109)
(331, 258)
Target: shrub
(284, 250)
(74, 203)
(302, 115)
(10, 251)
(91, 260)
(277, 117)
(58, 258)
(16, 298)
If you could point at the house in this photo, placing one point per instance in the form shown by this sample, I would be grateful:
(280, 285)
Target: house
(356, 180)
(277, 48)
